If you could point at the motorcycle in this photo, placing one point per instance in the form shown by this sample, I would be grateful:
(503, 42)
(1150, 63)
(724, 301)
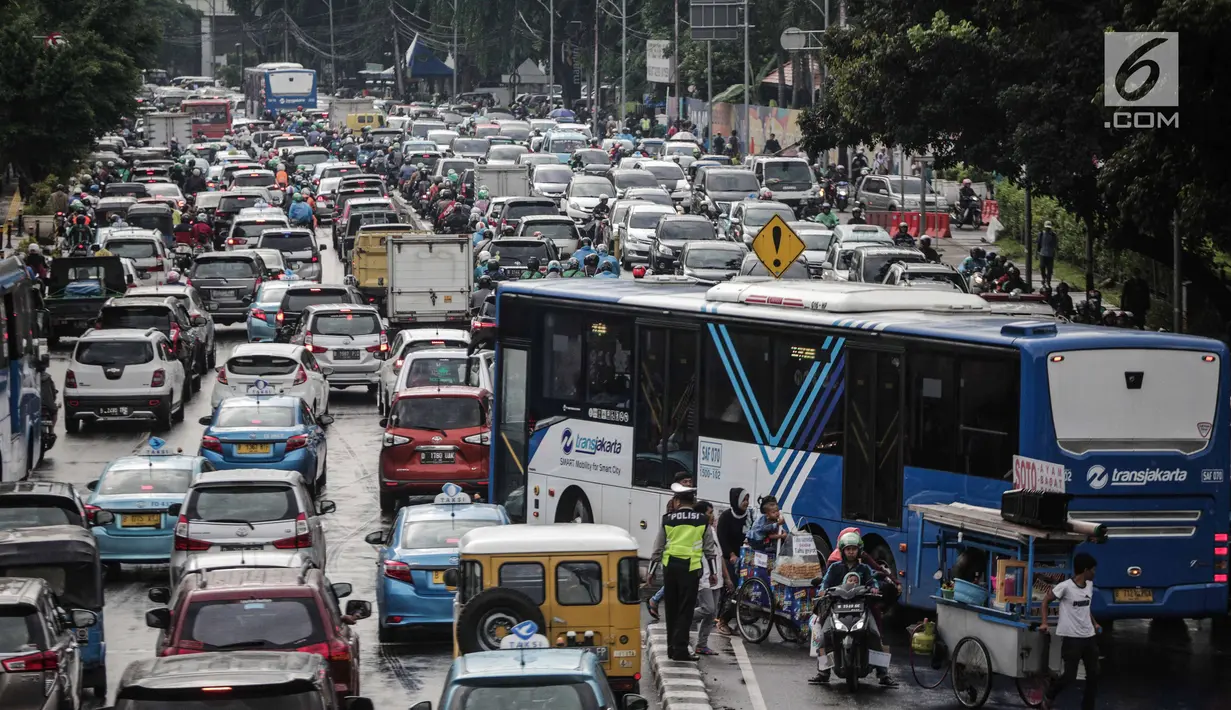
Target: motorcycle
(848, 631)
(971, 213)
(842, 195)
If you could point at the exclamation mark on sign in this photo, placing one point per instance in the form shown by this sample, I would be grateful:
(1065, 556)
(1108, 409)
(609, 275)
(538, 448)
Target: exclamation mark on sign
(777, 246)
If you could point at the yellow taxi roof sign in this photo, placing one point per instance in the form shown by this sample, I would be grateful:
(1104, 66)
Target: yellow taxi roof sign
(777, 246)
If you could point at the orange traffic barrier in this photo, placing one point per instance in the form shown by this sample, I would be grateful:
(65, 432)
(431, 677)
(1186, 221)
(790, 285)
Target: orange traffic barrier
(991, 208)
(888, 220)
(937, 225)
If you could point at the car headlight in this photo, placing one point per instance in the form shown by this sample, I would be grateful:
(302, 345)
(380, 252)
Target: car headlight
(665, 250)
(573, 205)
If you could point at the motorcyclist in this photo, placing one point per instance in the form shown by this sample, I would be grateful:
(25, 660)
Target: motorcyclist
(100, 250)
(553, 269)
(964, 195)
(902, 237)
(602, 209)
(494, 270)
(767, 195)
(997, 266)
(116, 221)
(826, 217)
(1011, 281)
(851, 545)
(1062, 302)
(605, 258)
(857, 216)
(590, 264)
(195, 183)
(35, 260)
(585, 249)
(483, 200)
(300, 213)
(484, 257)
(925, 246)
(173, 277)
(860, 161)
(532, 270)
(202, 231)
(572, 268)
(977, 261)
(481, 293)
(607, 271)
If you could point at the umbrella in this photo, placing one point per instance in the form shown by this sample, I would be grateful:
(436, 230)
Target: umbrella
(562, 113)
(684, 136)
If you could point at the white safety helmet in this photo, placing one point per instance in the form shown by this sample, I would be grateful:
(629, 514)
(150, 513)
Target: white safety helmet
(173, 276)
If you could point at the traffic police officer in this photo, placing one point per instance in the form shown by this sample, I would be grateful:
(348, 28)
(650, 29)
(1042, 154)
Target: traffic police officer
(680, 544)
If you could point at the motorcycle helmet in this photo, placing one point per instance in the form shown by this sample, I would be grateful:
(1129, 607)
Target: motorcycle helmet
(553, 265)
(485, 281)
(93, 188)
(903, 225)
(532, 264)
(173, 276)
(507, 230)
(856, 211)
(850, 538)
(35, 249)
(765, 194)
(606, 267)
(966, 182)
(484, 256)
(591, 260)
(826, 206)
(573, 264)
(601, 249)
(296, 197)
(585, 242)
(538, 235)
(602, 199)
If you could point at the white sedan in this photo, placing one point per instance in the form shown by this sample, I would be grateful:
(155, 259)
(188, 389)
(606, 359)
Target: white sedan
(287, 369)
(410, 341)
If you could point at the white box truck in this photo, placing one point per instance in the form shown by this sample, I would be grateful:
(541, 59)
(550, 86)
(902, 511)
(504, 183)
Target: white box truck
(339, 109)
(503, 180)
(430, 279)
(161, 127)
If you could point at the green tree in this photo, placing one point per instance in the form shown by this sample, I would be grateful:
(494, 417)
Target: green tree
(55, 102)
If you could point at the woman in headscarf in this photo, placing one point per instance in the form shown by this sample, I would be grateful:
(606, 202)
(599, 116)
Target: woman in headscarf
(732, 525)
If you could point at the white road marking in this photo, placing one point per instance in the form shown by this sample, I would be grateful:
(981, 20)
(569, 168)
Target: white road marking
(750, 676)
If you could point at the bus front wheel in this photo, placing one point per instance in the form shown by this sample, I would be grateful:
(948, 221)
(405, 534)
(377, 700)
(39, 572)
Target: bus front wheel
(574, 508)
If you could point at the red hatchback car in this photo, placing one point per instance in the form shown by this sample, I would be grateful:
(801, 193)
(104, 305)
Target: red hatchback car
(266, 609)
(433, 436)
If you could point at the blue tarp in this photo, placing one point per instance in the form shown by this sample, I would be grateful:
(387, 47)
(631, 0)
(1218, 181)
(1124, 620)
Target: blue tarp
(83, 289)
(426, 65)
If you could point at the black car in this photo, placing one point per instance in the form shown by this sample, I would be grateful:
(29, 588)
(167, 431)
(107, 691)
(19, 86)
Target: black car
(169, 316)
(514, 253)
(31, 504)
(301, 295)
(518, 207)
(672, 233)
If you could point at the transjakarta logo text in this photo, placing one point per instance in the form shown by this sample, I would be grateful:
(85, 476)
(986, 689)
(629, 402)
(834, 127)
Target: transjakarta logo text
(1098, 476)
(588, 444)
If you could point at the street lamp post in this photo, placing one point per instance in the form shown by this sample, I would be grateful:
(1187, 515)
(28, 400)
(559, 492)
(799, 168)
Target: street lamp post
(239, 58)
(333, 67)
(456, 62)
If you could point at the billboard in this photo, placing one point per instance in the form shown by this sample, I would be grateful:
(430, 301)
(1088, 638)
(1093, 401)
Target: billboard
(659, 67)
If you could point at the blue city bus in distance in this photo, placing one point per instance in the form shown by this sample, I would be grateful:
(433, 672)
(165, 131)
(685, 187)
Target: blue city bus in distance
(21, 417)
(278, 86)
(848, 403)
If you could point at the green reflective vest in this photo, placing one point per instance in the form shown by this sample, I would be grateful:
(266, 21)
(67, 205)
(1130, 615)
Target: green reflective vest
(685, 534)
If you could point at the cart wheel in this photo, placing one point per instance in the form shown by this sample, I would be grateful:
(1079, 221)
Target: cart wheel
(788, 630)
(754, 609)
(972, 672)
(929, 671)
(1031, 689)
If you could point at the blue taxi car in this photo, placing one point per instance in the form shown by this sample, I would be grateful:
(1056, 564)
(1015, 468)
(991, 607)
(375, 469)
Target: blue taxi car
(137, 491)
(413, 556)
(267, 431)
(261, 323)
(534, 677)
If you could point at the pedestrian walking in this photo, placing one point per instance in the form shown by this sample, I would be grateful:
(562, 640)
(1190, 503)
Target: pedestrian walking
(1047, 245)
(1077, 629)
(714, 579)
(681, 544)
(1135, 298)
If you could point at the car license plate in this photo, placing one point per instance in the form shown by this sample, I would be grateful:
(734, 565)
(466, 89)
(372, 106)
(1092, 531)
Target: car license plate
(222, 293)
(114, 411)
(436, 457)
(239, 548)
(438, 576)
(253, 448)
(141, 520)
(600, 651)
(345, 354)
(1135, 595)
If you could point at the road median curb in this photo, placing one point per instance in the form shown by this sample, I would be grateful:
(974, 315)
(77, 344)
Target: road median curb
(679, 683)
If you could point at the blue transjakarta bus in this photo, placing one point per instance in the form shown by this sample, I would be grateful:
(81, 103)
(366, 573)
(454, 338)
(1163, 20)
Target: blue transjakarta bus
(848, 402)
(278, 86)
(21, 417)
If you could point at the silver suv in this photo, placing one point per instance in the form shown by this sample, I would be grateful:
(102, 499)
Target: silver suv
(40, 663)
(247, 510)
(349, 338)
(124, 374)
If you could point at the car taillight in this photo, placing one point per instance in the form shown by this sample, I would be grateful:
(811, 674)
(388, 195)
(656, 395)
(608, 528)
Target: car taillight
(298, 441)
(259, 314)
(315, 259)
(90, 510)
(384, 342)
(70, 379)
(280, 317)
(307, 343)
(211, 443)
(157, 265)
(301, 376)
(185, 543)
(175, 335)
(42, 661)
(159, 379)
(397, 570)
(397, 364)
(222, 375)
(303, 535)
(482, 438)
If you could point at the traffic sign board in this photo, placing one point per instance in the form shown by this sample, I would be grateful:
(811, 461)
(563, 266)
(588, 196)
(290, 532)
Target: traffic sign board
(53, 40)
(777, 246)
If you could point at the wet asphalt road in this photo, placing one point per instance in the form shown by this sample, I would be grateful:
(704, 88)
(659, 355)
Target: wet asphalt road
(395, 676)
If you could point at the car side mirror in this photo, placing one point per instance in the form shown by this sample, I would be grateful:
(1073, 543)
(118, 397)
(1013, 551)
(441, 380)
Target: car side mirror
(326, 248)
(632, 701)
(159, 595)
(128, 278)
(173, 510)
(325, 419)
(159, 618)
(376, 538)
(92, 485)
(342, 590)
(358, 608)
(425, 705)
(83, 618)
(451, 578)
(206, 420)
(326, 507)
(383, 422)
(103, 517)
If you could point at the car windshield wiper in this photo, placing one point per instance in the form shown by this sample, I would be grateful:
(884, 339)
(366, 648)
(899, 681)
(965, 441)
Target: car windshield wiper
(424, 428)
(231, 520)
(254, 643)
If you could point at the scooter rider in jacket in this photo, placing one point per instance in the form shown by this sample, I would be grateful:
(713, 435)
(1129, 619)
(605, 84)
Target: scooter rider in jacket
(300, 213)
(851, 545)
(902, 237)
(826, 217)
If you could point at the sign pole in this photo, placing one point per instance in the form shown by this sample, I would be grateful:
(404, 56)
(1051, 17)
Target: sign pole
(747, 81)
(709, 92)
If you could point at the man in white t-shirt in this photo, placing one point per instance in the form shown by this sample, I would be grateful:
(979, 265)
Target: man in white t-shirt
(1077, 630)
